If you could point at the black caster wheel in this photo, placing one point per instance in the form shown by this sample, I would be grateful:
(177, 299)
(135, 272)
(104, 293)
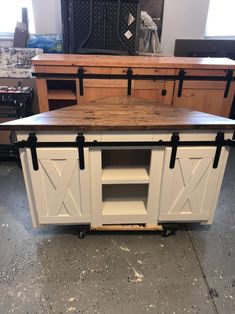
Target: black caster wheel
(82, 233)
(168, 232)
(169, 229)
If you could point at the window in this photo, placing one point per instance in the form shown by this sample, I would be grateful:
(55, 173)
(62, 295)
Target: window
(220, 20)
(11, 12)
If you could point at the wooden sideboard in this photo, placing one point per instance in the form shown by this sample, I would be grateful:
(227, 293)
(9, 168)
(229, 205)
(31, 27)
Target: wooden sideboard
(203, 84)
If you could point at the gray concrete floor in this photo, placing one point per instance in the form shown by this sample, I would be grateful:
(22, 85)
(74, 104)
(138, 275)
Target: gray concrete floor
(49, 270)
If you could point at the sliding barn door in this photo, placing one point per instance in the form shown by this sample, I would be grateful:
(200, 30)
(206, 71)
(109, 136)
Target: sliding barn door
(189, 189)
(61, 189)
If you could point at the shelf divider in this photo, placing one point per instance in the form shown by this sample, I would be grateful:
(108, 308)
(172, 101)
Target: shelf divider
(125, 175)
(124, 211)
(61, 94)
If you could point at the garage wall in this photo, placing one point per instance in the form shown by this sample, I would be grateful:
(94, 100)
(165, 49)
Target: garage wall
(47, 16)
(183, 19)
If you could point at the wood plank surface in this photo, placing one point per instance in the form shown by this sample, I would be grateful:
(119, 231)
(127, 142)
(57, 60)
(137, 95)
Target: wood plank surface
(120, 113)
(128, 228)
(133, 61)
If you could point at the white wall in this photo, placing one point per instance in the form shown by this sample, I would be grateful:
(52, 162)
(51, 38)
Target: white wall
(183, 19)
(47, 16)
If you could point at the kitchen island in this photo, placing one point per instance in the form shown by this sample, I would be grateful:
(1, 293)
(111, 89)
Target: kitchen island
(123, 161)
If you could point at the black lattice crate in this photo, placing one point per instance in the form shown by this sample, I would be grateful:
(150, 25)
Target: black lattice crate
(102, 26)
(15, 104)
(9, 152)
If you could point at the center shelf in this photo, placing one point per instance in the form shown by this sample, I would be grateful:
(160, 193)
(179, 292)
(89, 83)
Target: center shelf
(124, 207)
(61, 94)
(123, 203)
(125, 175)
(124, 211)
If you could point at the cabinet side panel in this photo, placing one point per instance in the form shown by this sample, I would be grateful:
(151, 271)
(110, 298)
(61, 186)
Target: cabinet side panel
(29, 188)
(155, 174)
(96, 187)
(41, 85)
(223, 162)
(37, 188)
(85, 186)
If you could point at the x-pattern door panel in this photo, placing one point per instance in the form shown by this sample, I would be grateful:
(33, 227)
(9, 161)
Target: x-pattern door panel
(188, 190)
(57, 187)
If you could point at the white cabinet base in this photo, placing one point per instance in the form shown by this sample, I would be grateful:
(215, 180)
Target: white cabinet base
(123, 185)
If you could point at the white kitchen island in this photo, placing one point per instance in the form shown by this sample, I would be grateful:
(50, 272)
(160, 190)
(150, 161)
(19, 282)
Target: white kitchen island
(123, 161)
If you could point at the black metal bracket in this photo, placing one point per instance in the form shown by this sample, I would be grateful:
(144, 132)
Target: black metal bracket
(80, 141)
(129, 80)
(219, 140)
(175, 142)
(143, 77)
(219, 143)
(32, 140)
(81, 77)
(229, 81)
(181, 77)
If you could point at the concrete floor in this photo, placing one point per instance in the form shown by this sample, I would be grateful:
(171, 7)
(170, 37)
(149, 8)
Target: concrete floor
(49, 270)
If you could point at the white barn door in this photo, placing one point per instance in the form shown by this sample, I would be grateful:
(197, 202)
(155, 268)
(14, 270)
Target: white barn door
(188, 191)
(61, 189)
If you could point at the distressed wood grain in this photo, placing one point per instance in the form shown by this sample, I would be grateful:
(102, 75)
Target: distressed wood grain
(120, 113)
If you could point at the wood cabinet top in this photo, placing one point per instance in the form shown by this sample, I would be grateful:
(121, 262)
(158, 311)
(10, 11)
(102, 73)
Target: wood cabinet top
(120, 114)
(133, 61)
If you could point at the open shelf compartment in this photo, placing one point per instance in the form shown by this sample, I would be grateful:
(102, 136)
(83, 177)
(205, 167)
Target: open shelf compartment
(55, 104)
(61, 89)
(124, 203)
(125, 166)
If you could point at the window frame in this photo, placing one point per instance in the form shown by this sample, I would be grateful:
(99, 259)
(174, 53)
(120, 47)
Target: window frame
(8, 36)
(209, 36)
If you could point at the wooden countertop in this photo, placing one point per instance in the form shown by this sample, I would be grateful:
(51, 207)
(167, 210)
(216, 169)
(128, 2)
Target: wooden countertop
(133, 61)
(120, 114)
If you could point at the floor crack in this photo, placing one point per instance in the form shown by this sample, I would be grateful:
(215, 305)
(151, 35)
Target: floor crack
(210, 291)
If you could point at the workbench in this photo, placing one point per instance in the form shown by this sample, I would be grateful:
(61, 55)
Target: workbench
(123, 161)
(203, 84)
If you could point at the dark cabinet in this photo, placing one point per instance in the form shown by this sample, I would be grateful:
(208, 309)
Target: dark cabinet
(101, 26)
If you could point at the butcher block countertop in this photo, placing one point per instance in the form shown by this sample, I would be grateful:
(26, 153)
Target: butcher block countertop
(120, 114)
(132, 61)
